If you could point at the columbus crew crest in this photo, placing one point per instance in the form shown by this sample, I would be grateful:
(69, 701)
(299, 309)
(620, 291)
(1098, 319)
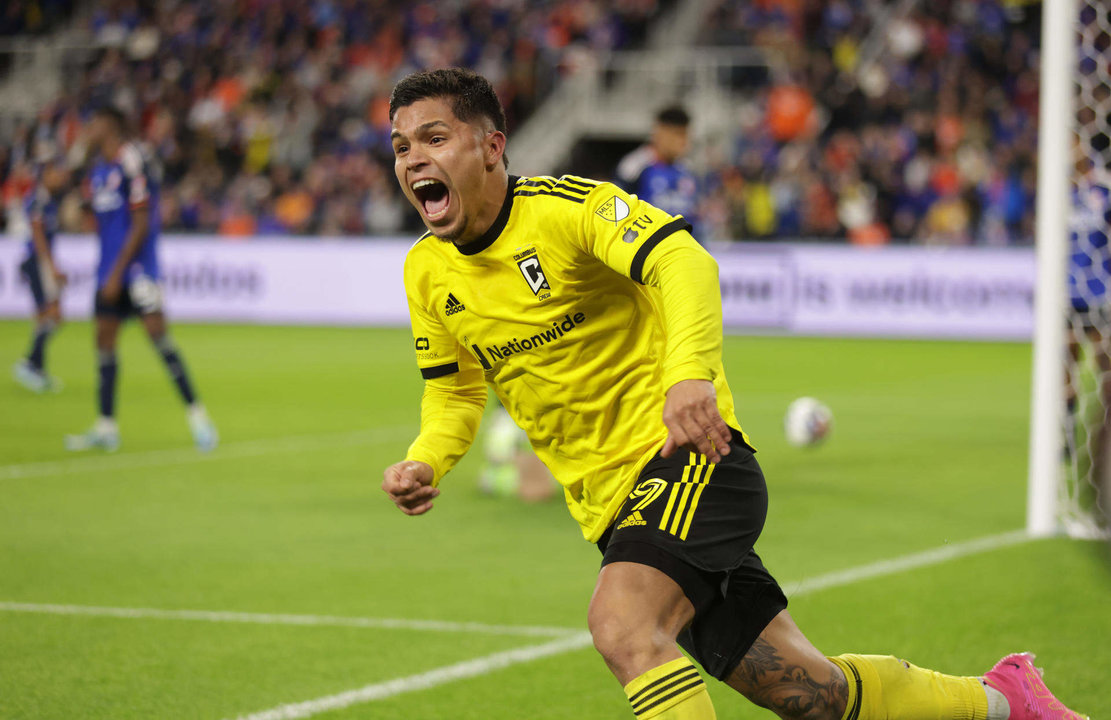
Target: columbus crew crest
(528, 262)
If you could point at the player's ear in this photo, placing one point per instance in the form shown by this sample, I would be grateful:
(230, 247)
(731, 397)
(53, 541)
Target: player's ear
(494, 146)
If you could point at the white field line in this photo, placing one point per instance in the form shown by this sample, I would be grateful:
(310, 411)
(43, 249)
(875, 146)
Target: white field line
(220, 616)
(490, 663)
(177, 456)
(422, 681)
(934, 556)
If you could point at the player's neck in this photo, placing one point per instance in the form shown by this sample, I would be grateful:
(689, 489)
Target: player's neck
(492, 202)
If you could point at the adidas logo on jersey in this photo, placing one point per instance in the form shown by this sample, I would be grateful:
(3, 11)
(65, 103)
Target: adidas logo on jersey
(453, 305)
(635, 519)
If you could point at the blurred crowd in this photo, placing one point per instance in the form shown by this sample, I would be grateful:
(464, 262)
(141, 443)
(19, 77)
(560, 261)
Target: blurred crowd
(271, 116)
(933, 141)
(32, 17)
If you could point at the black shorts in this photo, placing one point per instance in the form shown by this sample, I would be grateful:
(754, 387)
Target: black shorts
(697, 523)
(141, 296)
(43, 289)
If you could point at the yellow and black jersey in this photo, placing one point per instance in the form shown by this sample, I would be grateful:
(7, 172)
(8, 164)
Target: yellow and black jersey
(580, 307)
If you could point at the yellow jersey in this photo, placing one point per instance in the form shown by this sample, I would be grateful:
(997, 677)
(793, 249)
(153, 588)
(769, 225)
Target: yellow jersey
(580, 306)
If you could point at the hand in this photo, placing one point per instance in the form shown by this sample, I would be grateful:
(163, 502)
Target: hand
(409, 485)
(111, 288)
(693, 421)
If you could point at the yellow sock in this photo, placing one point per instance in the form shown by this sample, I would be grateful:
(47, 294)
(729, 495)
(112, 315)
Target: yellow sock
(882, 687)
(672, 691)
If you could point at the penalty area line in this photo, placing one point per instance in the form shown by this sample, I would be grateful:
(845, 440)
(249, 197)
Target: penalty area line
(913, 561)
(232, 450)
(422, 681)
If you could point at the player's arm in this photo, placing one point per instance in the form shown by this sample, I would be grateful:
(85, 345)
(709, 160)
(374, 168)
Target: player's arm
(41, 246)
(451, 409)
(653, 248)
(139, 201)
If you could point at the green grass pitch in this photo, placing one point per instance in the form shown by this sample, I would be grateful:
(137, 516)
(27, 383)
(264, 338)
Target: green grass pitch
(928, 448)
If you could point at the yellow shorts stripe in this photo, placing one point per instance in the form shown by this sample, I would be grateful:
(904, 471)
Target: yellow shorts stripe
(681, 508)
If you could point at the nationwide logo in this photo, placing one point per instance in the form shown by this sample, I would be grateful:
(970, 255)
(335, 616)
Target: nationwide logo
(635, 519)
(503, 350)
(453, 305)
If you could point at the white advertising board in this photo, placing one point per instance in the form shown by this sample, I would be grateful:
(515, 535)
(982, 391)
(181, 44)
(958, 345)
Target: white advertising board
(974, 293)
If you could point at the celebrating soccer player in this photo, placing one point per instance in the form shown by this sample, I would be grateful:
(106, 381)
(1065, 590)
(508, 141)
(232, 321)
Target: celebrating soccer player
(125, 203)
(596, 318)
(42, 274)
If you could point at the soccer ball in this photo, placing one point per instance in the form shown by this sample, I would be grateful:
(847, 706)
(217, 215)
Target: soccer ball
(807, 422)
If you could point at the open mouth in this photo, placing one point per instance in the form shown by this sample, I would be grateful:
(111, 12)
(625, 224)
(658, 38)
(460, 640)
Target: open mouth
(433, 196)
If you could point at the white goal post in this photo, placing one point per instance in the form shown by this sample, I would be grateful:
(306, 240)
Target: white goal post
(1069, 416)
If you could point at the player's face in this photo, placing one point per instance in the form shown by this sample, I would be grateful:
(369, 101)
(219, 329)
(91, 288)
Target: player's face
(95, 132)
(55, 177)
(443, 165)
(671, 141)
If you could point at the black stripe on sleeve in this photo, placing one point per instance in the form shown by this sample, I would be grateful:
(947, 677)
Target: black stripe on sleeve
(551, 193)
(636, 270)
(431, 373)
(586, 184)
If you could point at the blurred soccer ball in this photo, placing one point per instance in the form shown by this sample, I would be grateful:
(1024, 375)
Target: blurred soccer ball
(807, 422)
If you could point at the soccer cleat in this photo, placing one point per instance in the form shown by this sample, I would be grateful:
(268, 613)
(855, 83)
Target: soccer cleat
(204, 432)
(1021, 683)
(34, 379)
(104, 434)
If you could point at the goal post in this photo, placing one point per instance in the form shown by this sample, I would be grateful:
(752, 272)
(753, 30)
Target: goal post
(1070, 424)
(1055, 120)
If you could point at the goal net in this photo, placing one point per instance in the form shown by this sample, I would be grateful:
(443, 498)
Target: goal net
(1070, 482)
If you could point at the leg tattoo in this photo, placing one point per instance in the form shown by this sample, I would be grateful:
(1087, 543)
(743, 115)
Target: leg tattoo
(788, 690)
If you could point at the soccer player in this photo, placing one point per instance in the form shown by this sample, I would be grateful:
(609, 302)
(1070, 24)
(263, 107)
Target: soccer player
(596, 318)
(125, 203)
(655, 171)
(42, 274)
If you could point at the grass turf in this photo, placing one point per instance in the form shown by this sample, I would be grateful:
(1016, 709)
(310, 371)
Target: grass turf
(929, 447)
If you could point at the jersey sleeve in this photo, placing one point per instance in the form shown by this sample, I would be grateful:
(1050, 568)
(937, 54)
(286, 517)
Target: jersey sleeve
(134, 168)
(454, 389)
(653, 248)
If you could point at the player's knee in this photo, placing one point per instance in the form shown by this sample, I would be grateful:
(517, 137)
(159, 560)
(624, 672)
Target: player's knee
(627, 645)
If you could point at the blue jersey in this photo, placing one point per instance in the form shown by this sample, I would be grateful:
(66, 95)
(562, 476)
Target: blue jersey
(40, 206)
(671, 188)
(119, 185)
(1089, 254)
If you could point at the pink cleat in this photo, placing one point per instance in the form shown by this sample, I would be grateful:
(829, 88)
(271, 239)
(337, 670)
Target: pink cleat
(1021, 683)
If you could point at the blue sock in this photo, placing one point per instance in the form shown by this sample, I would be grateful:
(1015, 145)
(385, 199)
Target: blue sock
(106, 384)
(37, 356)
(176, 366)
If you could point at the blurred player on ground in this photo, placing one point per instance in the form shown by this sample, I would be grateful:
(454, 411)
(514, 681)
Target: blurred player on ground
(511, 468)
(42, 275)
(596, 318)
(655, 171)
(125, 203)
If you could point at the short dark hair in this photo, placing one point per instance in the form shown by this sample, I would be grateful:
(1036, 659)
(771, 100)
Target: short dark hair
(113, 115)
(675, 115)
(472, 96)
